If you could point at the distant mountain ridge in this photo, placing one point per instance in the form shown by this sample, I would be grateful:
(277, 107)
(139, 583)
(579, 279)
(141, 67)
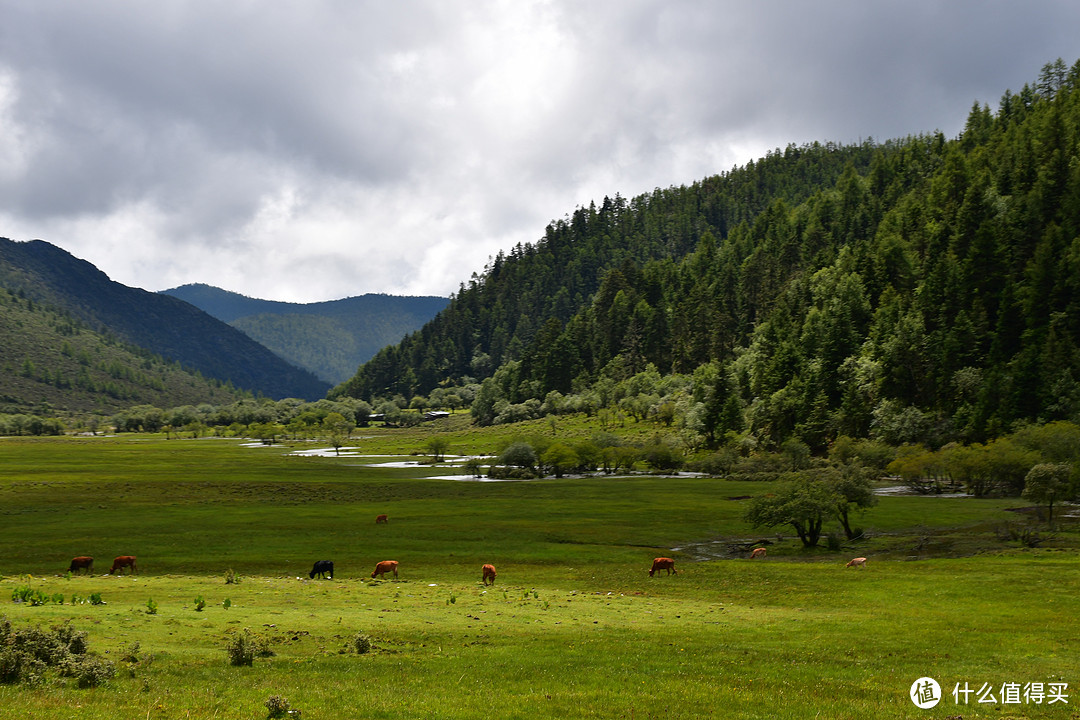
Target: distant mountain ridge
(161, 324)
(331, 338)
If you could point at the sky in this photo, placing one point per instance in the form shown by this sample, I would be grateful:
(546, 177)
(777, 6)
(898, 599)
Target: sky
(309, 150)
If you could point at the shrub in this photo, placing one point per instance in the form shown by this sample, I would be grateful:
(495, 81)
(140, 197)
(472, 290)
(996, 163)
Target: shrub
(244, 646)
(199, 604)
(151, 607)
(362, 643)
(131, 655)
(27, 654)
(94, 671)
(231, 578)
(277, 706)
(95, 599)
(74, 640)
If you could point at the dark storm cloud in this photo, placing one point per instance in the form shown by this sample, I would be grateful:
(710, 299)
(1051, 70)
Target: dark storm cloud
(316, 149)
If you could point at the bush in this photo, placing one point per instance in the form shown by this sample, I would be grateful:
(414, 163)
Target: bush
(245, 646)
(277, 706)
(27, 654)
(94, 671)
(231, 578)
(362, 643)
(131, 655)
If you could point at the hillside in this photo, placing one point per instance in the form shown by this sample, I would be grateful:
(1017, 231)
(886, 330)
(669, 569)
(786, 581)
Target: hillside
(52, 363)
(160, 324)
(918, 290)
(331, 339)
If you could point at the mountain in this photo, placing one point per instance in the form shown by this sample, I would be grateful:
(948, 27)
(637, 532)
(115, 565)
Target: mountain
(51, 362)
(331, 339)
(918, 290)
(160, 324)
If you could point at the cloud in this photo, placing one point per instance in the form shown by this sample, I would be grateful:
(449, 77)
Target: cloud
(308, 150)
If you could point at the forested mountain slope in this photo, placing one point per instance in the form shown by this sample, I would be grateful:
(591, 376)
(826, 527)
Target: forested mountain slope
(331, 339)
(160, 324)
(52, 363)
(923, 289)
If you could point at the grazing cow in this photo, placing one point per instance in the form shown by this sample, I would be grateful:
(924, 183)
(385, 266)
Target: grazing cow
(489, 572)
(380, 519)
(83, 562)
(384, 567)
(861, 562)
(322, 567)
(123, 561)
(663, 564)
(757, 552)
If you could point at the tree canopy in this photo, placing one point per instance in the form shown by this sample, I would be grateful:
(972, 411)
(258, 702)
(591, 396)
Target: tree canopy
(920, 290)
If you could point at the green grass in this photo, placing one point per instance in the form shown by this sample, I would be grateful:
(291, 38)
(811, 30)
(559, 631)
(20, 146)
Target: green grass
(574, 626)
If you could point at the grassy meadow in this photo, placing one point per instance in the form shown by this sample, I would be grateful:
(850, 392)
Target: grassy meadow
(574, 627)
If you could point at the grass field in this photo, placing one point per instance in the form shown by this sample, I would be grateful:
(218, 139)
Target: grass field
(574, 626)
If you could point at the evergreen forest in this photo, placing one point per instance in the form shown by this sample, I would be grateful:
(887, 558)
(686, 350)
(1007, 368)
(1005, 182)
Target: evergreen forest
(915, 290)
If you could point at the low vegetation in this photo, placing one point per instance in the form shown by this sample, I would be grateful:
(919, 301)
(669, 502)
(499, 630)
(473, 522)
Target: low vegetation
(574, 627)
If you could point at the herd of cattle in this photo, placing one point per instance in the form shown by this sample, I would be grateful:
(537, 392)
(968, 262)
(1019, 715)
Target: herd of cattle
(324, 568)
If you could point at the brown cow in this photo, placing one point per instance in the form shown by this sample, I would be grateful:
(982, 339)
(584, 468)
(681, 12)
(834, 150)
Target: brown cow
(123, 561)
(380, 519)
(489, 572)
(83, 562)
(757, 552)
(861, 562)
(384, 567)
(663, 564)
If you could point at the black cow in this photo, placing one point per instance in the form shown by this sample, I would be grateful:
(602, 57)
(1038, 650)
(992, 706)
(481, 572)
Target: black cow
(322, 566)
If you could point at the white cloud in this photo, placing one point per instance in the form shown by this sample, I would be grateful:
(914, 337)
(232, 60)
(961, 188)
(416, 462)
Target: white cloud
(317, 149)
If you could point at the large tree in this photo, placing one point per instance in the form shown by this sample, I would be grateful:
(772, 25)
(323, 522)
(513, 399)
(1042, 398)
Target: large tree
(1047, 482)
(854, 491)
(804, 502)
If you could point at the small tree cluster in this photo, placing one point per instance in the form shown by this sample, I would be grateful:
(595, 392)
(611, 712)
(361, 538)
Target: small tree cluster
(999, 467)
(541, 455)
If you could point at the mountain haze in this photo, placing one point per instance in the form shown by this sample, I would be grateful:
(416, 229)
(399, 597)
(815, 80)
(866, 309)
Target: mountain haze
(157, 323)
(331, 339)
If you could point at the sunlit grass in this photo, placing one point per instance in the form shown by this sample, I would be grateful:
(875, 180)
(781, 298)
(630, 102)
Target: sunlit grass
(574, 626)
